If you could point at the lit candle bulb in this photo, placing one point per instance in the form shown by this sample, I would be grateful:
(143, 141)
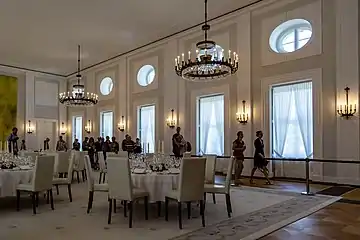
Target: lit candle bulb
(234, 56)
(182, 57)
(175, 61)
(189, 55)
(229, 54)
(178, 59)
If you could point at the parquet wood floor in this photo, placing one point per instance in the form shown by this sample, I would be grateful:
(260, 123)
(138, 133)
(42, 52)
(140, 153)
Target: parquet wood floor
(339, 221)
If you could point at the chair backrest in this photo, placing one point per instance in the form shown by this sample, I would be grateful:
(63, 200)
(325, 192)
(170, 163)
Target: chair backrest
(33, 155)
(119, 178)
(79, 160)
(63, 162)
(102, 164)
(187, 154)
(210, 169)
(191, 182)
(89, 173)
(119, 154)
(229, 174)
(43, 173)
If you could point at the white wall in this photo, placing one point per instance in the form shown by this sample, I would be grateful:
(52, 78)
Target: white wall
(332, 58)
(38, 102)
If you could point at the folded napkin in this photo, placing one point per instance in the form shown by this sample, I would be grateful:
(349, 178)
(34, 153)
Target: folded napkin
(174, 170)
(139, 170)
(25, 167)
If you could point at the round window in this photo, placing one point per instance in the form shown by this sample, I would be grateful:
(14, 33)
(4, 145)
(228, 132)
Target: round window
(290, 36)
(217, 53)
(146, 75)
(106, 86)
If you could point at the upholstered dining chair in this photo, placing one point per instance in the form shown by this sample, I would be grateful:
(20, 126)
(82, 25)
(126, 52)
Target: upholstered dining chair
(121, 187)
(190, 188)
(41, 181)
(79, 166)
(67, 180)
(63, 163)
(92, 186)
(102, 166)
(222, 189)
(210, 171)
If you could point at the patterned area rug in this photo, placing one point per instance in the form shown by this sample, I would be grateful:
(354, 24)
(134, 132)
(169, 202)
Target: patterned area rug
(256, 212)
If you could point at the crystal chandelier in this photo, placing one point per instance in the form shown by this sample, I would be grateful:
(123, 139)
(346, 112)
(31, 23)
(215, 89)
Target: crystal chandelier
(206, 65)
(78, 98)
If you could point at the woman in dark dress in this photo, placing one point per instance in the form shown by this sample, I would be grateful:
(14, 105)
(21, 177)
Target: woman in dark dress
(260, 162)
(91, 151)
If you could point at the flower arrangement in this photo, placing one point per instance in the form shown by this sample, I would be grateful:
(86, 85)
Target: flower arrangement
(158, 167)
(7, 165)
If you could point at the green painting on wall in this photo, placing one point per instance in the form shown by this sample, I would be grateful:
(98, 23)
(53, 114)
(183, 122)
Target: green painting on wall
(8, 105)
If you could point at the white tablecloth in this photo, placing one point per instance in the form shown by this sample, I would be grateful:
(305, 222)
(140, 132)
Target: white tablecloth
(10, 179)
(158, 185)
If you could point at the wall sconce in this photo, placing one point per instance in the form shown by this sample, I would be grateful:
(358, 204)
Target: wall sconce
(30, 129)
(121, 124)
(171, 122)
(242, 117)
(346, 111)
(88, 127)
(63, 129)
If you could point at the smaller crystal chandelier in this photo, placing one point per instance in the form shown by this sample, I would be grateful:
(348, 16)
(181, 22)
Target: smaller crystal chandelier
(206, 67)
(78, 98)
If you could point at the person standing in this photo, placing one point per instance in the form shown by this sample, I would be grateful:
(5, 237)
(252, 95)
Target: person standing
(260, 162)
(23, 145)
(85, 144)
(76, 145)
(46, 144)
(12, 142)
(61, 145)
(106, 147)
(238, 153)
(91, 151)
(137, 149)
(178, 143)
(114, 145)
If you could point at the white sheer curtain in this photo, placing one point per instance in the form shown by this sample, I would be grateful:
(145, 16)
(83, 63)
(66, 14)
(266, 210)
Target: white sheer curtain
(211, 125)
(292, 120)
(303, 106)
(77, 129)
(107, 124)
(146, 129)
(280, 113)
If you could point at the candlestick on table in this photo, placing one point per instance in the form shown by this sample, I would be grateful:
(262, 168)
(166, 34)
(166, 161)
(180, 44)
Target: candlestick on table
(162, 147)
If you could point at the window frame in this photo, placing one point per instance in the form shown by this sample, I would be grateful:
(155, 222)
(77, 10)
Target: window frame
(139, 125)
(295, 30)
(74, 128)
(102, 113)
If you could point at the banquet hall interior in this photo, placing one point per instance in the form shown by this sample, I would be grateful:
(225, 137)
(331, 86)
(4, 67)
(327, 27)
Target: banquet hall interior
(177, 120)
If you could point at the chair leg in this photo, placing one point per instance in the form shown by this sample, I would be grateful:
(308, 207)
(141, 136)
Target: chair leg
(57, 189)
(110, 211)
(204, 200)
(33, 198)
(77, 175)
(202, 212)
(166, 209)
(214, 199)
(130, 213)
(125, 208)
(69, 191)
(146, 203)
(51, 199)
(91, 198)
(83, 175)
(37, 199)
(159, 208)
(17, 200)
(179, 215)
(189, 209)
(100, 177)
(104, 174)
(114, 205)
(228, 204)
(48, 197)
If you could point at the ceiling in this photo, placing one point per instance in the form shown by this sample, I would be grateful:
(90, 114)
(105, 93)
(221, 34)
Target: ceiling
(43, 35)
